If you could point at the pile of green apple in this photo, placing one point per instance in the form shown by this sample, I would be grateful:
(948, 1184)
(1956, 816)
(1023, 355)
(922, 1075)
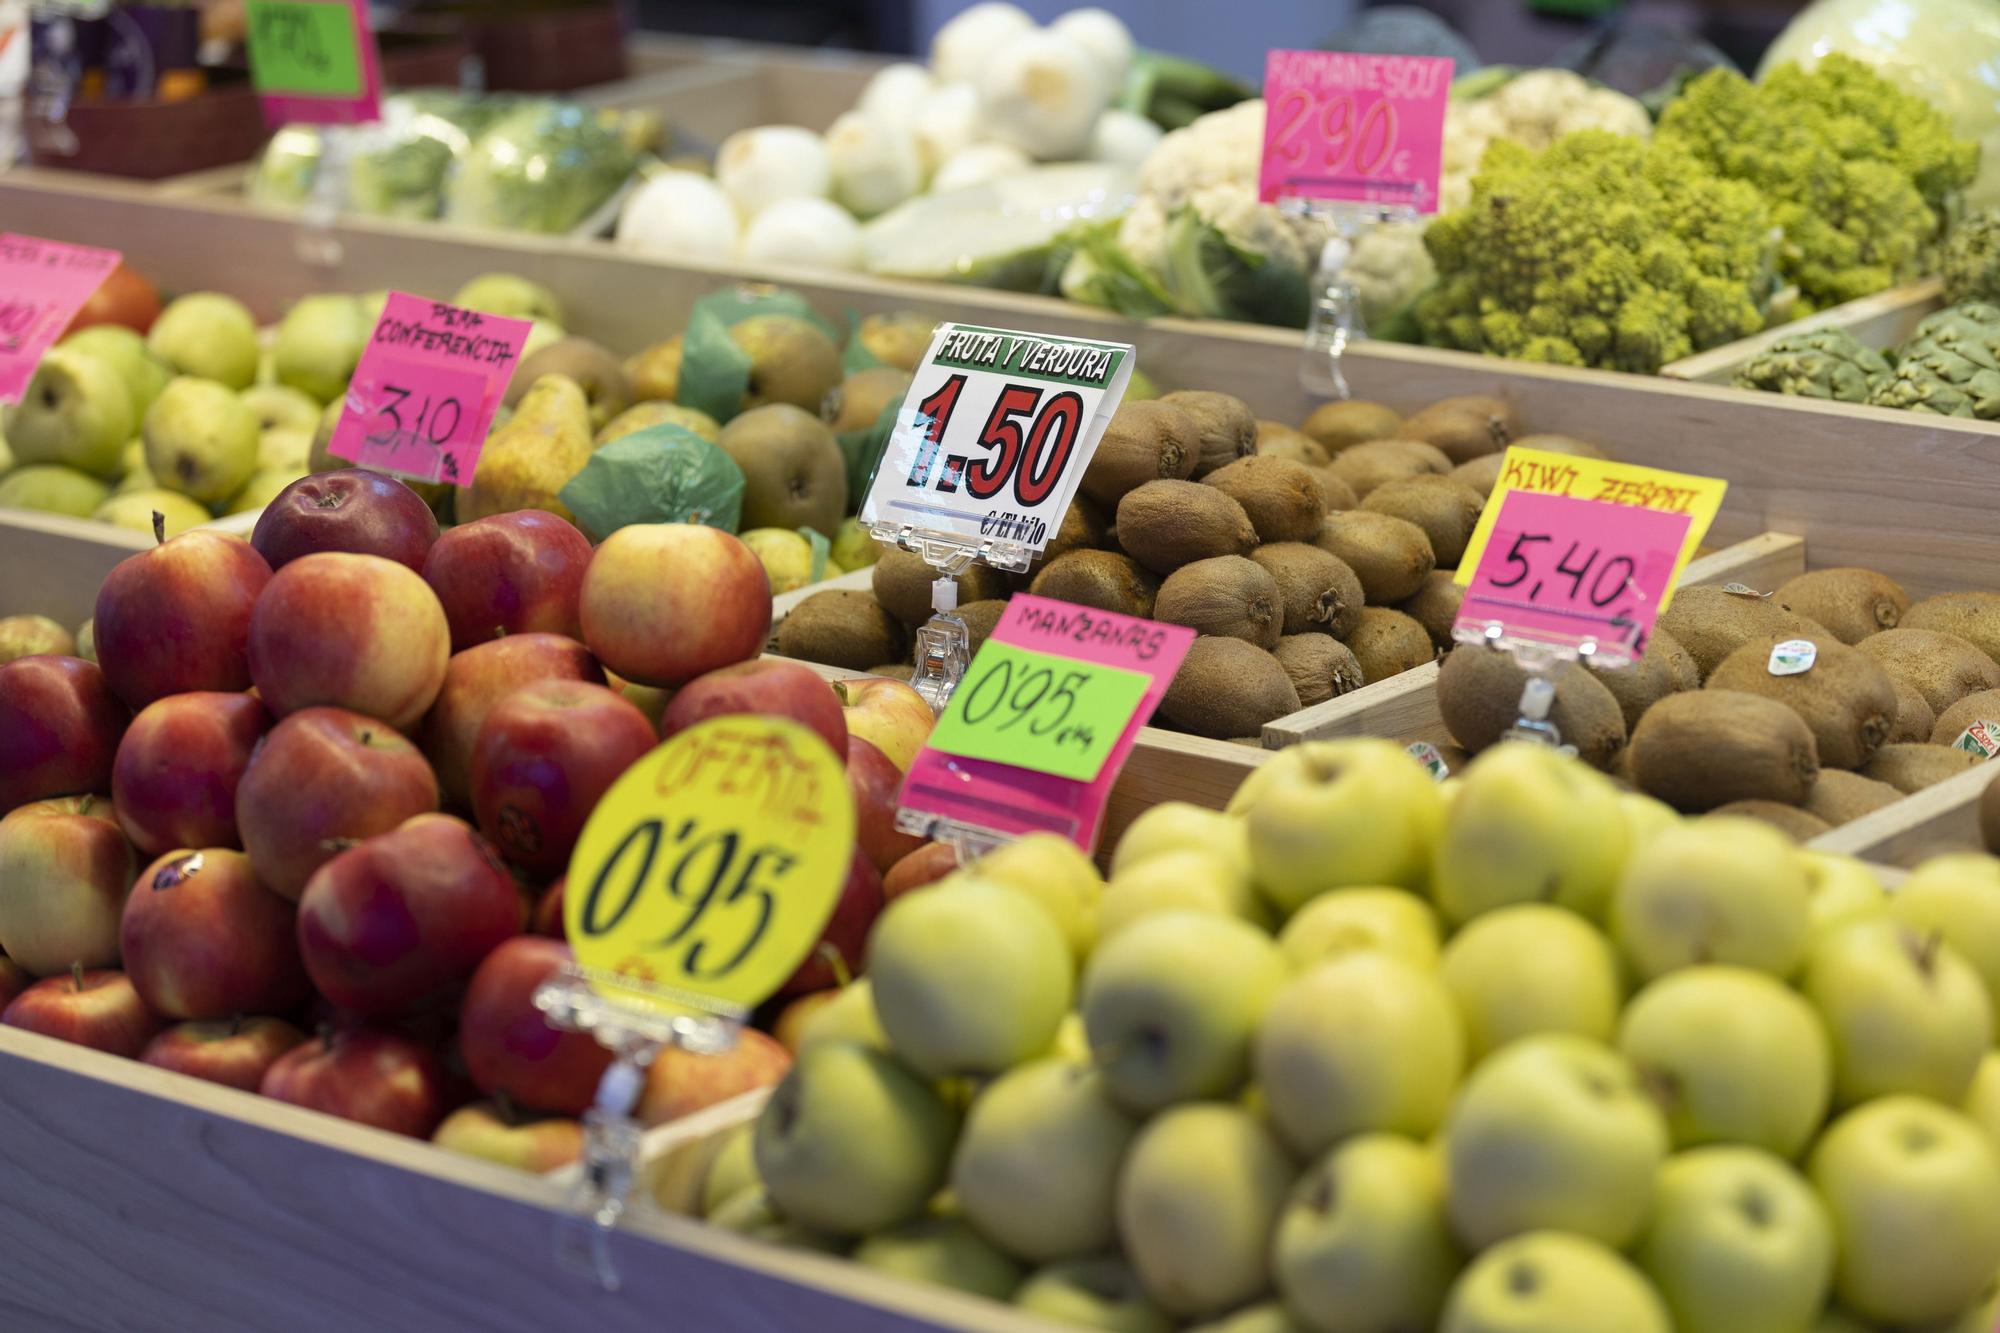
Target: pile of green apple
(1517, 1053)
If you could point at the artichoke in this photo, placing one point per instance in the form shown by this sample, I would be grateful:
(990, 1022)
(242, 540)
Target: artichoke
(1976, 318)
(1953, 372)
(1826, 363)
(1970, 262)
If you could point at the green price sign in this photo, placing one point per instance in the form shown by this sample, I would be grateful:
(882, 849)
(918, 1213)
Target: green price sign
(306, 48)
(1054, 715)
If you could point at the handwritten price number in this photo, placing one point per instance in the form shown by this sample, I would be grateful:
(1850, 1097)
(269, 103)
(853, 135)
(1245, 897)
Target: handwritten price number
(1611, 582)
(1031, 460)
(292, 29)
(718, 881)
(1372, 143)
(435, 421)
(18, 319)
(997, 689)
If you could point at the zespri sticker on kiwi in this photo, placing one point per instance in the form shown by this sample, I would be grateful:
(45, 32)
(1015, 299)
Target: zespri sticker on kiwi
(712, 865)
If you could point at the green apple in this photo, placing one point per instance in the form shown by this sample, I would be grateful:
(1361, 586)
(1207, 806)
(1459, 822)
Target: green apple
(1198, 1201)
(208, 335)
(853, 547)
(969, 978)
(1177, 826)
(751, 1213)
(281, 407)
(944, 1252)
(852, 1142)
(1269, 1317)
(1549, 1282)
(1196, 881)
(1725, 889)
(1732, 1056)
(1338, 814)
(1913, 1189)
(732, 1170)
(1738, 1243)
(261, 489)
(1552, 1131)
(200, 440)
(1982, 1103)
(1170, 1004)
(1958, 898)
(1983, 1316)
(1842, 890)
(1363, 1245)
(1645, 817)
(1037, 1164)
(1054, 872)
(75, 411)
(1363, 1043)
(509, 296)
(1529, 824)
(52, 488)
(1571, 984)
(1100, 1293)
(33, 636)
(143, 373)
(1838, 1321)
(86, 640)
(1387, 921)
(1904, 1010)
(319, 341)
(135, 510)
(848, 1016)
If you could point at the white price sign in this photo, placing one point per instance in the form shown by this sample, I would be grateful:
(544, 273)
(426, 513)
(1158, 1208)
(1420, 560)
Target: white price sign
(996, 432)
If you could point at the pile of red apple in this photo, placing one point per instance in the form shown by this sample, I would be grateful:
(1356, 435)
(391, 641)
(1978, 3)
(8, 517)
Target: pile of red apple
(301, 829)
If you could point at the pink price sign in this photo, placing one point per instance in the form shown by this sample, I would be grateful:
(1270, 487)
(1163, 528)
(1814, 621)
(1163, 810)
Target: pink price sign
(1354, 128)
(42, 286)
(430, 379)
(1060, 691)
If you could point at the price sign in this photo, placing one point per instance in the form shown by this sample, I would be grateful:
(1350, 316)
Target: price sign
(712, 864)
(42, 286)
(314, 61)
(1035, 734)
(996, 433)
(425, 391)
(1355, 128)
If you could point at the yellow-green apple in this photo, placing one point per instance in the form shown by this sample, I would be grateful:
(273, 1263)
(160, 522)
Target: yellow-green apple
(1263, 1317)
(943, 1252)
(663, 603)
(926, 865)
(1036, 1168)
(823, 1175)
(1645, 817)
(1982, 1102)
(1842, 890)
(478, 678)
(65, 867)
(350, 631)
(844, 1013)
(1913, 1189)
(969, 978)
(207, 334)
(875, 782)
(321, 779)
(512, 296)
(1363, 1043)
(508, 1045)
(200, 439)
(1726, 889)
(76, 411)
(174, 781)
(887, 713)
(1957, 898)
(1738, 1243)
(790, 1024)
(544, 755)
(679, 1082)
(517, 573)
(1198, 1200)
(1177, 826)
(235, 1052)
(34, 636)
(1529, 825)
(13, 979)
(528, 1143)
(1056, 873)
(547, 917)
(1195, 881)
(842, 949)
(1573, 985)
(99, 1009)
(405, 917)
(1362, 1243)
(1731, 1056)
(1552, 1131)
(1905, 1012)
(59, 729)
(319, 343)
(1170, 1005)
(731, 1170)
(367, 1075)
(751, 1213)
(1338, 814)
(125, 299)
(766, 685)
(201, 938)
(1552, 1282)
(1099, 1292)
(177, 618)
(1346, 921)
(353, 509)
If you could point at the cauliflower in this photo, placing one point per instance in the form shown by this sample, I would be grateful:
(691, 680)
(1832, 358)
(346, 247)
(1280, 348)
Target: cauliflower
(1389, 268)
(1222, 147)
(1533, 109)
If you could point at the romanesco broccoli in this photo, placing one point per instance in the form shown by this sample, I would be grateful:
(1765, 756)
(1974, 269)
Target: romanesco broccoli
(1970, 263)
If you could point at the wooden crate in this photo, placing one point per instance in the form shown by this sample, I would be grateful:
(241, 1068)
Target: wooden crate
(1883, 320)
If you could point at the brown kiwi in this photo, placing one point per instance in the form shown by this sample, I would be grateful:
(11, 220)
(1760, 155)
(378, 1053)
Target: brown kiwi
(1283, 499)
(1227, 425)
(1704, 748)
(1224, 595)
(1226, 688)
(1366, 466)
(902, 583)
(1082, 528)
(842, 627)
(1943, 667)
(1277, 440)
(1989, 817)
(1845, 698)
(1339, 495)
(1166, 524)
(1319, 591)
(1321, 667)
(980, 618)
(1798, 824)
(1711, 624)
(1479, 698)
(1104, 580)
(1972, 616)
(1339, 425)
(1560, 444)
(1851, 603)
(1979, 706)
(1685, 670)
(1444, 509)
(894, 670)
(1391, 556)
(1146, 440)
(1480, 474)
(1911, 768)
(1388, 643)
(1914, 718)
(1640, 683)
(1465, 427)
(1839, 797)
(1435, 607)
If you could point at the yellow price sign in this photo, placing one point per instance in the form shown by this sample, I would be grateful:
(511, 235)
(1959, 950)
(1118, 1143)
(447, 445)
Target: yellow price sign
(713, 864)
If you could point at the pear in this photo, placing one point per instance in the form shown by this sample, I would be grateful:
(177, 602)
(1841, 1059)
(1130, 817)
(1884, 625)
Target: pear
(285, 449)
(33, 636)
(1101, 1292)
(52, 489)
(281, 407)
(133, 474)
(945, 1252)
(509, 296)
(209, 335)
(655, 374)
(86, 640)
(897, 339)
(135, 510)
(201, 440)
(262, 488)
(793, 472)
(593, 368)
(319, 343)
(655, 412)
(853, 548)
(857, 402)
(791, 361)
(525, 462)
(143, 373)
(75, 411)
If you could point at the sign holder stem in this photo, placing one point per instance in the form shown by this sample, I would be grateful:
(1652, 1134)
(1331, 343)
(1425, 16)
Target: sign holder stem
(944, 646)
(1335, 319)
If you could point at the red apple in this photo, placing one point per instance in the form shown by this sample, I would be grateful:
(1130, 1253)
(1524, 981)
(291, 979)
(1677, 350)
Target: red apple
(544, 756)
(405, 917)
(767, 685)
(97, 1009)
(876, 782)
(527, 1143)
(365, 1075)
(322, 778)
(926, 865)
(663, 603)
(842, 950)
(13, 980)
(680, 1082)
(201, 938)
(177, 618)
(125, 297)
(59, 729)
(175, 778)
(235, 1052)
(547, 919)
(478, 678)
(65, 867)
(889, 713)
(353, 631)
(509, 1046)
(352, 509)
(509, 574)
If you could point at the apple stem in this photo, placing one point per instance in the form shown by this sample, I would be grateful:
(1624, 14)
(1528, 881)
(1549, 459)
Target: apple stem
(838, 962)
(510, 1112)
(235, 1024)
(159, 528)
(76, 975)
